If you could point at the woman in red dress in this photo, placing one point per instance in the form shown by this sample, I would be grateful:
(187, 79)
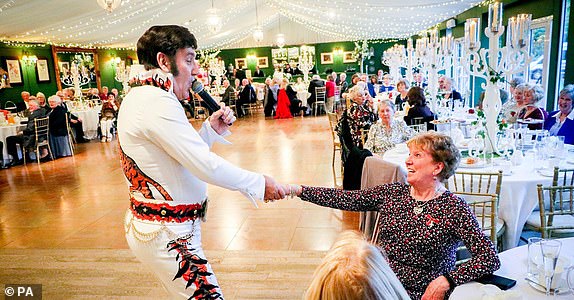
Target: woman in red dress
(283, 103)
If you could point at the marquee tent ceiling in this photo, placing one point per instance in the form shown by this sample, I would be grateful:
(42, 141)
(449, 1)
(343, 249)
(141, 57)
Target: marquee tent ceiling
(83, 23)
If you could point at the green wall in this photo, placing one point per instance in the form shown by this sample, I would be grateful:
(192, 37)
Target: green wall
(29, 76)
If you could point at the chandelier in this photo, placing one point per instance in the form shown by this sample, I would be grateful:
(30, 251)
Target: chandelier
(213, 20)
(280, 36)
(257, 32)
(109, 5)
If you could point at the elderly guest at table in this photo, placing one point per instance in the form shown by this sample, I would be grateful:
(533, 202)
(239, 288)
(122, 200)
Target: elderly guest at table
(421, 223)
(227, 92)
(385, 134)
(419, 112)
(360, 115)
(108, 117)
(386, 86)
(532, 94)
(511, 108)
(27, 137)
(561, 122)
(41, 98)
(371, 85)
(403, 87)
(354, 269)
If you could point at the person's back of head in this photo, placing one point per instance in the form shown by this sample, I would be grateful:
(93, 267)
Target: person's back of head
(354, 269)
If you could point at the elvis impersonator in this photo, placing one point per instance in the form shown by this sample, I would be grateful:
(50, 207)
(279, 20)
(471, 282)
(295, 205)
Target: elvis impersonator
(168, 164)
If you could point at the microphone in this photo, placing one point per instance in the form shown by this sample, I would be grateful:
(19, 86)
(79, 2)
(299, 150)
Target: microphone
(210, 103)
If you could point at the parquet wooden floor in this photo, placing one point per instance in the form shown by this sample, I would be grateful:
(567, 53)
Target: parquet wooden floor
(61, 222)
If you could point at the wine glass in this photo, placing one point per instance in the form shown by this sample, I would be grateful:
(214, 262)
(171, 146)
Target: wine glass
(550, 253)
(570, 279)
(506, 145)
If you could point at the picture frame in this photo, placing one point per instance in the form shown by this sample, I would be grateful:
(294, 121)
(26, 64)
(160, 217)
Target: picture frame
(326, 58)
(348, 57)
(64, 68)
(42, 70)
(240, 63)
(263, 62)
(14, 70)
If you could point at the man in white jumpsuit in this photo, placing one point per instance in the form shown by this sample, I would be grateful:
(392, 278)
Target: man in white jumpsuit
(168, 164)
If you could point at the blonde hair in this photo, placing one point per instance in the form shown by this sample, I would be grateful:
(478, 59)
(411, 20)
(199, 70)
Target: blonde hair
(354, 269)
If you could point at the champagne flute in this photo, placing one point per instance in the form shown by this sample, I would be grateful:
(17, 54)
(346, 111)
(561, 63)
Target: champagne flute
(550, 253)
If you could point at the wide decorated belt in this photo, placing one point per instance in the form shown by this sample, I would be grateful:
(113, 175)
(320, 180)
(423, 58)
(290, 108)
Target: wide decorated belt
(163, 212)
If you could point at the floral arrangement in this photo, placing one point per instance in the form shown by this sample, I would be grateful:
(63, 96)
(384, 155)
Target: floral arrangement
(204, 56)
(495, 77)
(360, 50)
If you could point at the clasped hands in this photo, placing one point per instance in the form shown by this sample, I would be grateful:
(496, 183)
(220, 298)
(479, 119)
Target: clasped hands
(276, 191)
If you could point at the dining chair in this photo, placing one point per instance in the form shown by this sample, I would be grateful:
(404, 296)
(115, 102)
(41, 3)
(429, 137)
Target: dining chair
(333, 121)
(563, 177)
(337, 103)
(233, 102)
(71, 138)
(481, 191)
(320, 97)
(42, 138)
(199, 110)
(558, 220)
(419, 128)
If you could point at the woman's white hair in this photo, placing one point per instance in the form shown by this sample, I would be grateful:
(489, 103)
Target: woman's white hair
(354, 269)
(56, 99)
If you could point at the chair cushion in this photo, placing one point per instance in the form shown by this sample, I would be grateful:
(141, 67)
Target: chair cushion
(558, 221)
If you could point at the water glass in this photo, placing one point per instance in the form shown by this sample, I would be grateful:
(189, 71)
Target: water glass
(534, 256)
(570, 279)
(550, 253)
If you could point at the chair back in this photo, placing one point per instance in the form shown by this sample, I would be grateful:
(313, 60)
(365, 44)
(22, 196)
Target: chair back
(563, 177)
(233, 101)
(418, 121)
(333, 121)
(419, 128)
(320, 93)
(481, 191)
(42, 131)
(11, 106)
(559, 217)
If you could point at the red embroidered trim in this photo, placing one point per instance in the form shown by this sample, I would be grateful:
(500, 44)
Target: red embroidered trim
(164, 212)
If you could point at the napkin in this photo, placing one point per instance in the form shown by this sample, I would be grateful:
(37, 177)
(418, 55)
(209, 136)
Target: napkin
(492, 292)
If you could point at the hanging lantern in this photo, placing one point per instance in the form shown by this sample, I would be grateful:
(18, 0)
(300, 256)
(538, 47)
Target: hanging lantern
(213, 20)
(109, 5)
(258, 34)
(280, 40)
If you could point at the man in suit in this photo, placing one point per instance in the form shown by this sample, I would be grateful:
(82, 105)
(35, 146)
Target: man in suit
(246, 96)
(449, 93)
(315, 82)
(23, 106)
(258, 72)
(227, 93)
(28, 136)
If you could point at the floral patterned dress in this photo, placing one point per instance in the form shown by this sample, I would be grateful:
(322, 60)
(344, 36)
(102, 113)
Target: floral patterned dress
(360, 117)
(380, 139)
(419, 247)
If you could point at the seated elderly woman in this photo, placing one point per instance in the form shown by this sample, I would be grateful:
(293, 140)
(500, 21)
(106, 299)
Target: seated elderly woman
(561, 122)
(360, 115)
(403, 87)
(354, 269)
(58, 128)
(531, 114)
(421, 223)
(419, 112)
(388, 132)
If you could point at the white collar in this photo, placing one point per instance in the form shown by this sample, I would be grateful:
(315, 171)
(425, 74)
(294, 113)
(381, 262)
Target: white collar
(569, 116)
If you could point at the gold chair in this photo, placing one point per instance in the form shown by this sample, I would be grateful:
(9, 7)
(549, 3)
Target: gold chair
(481, 191)
(419, 128)
(42, 138)
(333, 121)
(320, 97)
(563, 177)
(558, 220)
(233, 102)
(199, 110)
(71, 138)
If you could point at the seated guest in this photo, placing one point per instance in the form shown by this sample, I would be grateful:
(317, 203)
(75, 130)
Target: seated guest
(561, 122)
(511, 108)
(354, 269)
(532, 94)
(93, 94)
(27, 138)
(227, 93)
(23, 106)
(360, 115)
(386, 86)
(104, 94)
(246, 96)
(419, 80)
(385, 134)
(421, 222)
(371, 85)
(315, 82)
(118, 97)
(449, 94)
(288, 70)
(419, 112)
(41, 98)
(403, 87)
(58, 129)
(108, 117)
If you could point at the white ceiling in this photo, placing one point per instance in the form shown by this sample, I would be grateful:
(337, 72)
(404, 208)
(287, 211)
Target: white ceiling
(83, 23)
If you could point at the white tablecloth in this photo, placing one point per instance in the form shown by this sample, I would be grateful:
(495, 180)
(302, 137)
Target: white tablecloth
(6, 131)
(303, 95)
(513, 265)
(90, 120)
(518, 194)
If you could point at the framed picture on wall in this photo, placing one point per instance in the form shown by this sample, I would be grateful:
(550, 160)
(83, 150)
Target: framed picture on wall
(14, 70)
(262, 62)
(42, 72)
(64, 67)
(326, 58)
(348, 57)
(240, 63)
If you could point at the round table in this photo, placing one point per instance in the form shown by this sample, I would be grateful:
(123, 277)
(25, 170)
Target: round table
(513, 265)
(518, 193)
(6, 131)
(90, 120)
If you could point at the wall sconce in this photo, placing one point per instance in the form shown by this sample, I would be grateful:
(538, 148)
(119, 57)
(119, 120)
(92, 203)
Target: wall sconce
(115, 60)
(28, 59)
(338, 51)
(251, 57)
